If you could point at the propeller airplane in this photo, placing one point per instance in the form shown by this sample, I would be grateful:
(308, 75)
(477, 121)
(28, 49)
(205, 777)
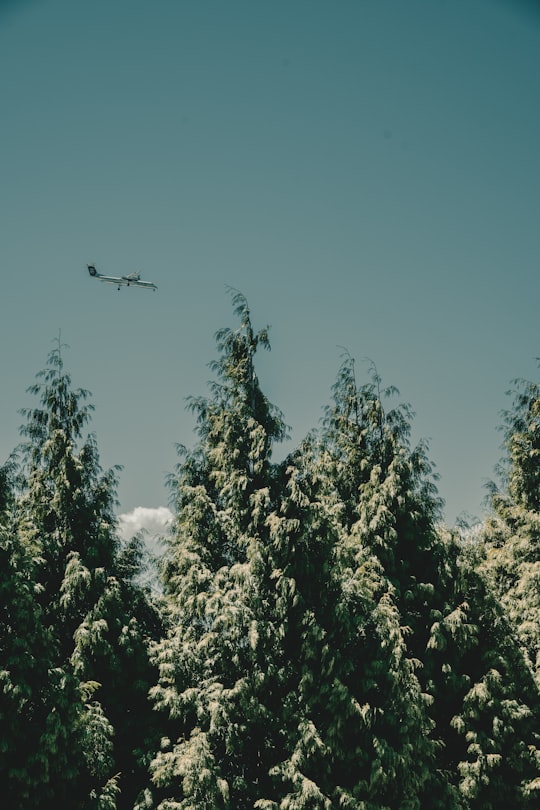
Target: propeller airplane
(133, 280)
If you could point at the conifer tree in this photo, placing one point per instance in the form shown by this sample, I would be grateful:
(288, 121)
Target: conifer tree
(499, 717)
(217, 679)
(511, 548)
(283, 677)
(41, 708)
(454, 632)
(355, 727)
(512, 534)
(329, 645)
(99, 620)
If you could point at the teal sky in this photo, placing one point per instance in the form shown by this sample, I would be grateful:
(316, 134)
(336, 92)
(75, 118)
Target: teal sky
(367, 173)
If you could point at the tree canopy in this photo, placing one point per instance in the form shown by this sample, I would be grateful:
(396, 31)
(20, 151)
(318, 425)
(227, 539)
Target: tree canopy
(321, 639)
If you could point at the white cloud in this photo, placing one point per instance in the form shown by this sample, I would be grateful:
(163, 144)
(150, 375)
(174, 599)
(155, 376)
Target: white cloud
(154, 520)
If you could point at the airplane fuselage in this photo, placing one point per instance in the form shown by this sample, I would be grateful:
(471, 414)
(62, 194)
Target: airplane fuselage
(133, 280)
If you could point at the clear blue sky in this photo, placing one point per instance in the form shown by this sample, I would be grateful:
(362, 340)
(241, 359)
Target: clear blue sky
(366, 172)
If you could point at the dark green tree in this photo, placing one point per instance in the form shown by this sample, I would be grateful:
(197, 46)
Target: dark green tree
(354, 721)
(454, 632)
(99, 619)
(498, 722)
(512, 532)
(511, 548)
(217, 681)
(284, 678)
(41, 707)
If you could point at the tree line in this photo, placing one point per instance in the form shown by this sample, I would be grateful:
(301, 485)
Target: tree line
(321, 640)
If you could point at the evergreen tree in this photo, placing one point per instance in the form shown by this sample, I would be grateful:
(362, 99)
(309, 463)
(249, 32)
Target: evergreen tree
(390, 508)
(511, 549)
(283, 677)
(41, 707)
(512, 534)
(217, 681)
(499, 718)
(355, 725)
(99, 620)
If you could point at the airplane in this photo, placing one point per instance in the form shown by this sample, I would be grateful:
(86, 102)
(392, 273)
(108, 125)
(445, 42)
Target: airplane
(133, 280)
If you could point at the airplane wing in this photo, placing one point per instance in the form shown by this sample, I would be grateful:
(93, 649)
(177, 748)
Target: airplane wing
(112, 279)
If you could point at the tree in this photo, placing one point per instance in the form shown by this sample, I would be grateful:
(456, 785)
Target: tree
(41, 708)
(355, 727)
(215, 663)
(483, 710)
(100, 621)
(283, 677)
(512, 533)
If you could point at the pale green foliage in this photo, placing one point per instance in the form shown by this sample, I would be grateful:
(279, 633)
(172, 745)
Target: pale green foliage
(285, 675)
(357, 712)
(512, 534)
(195, 767)
(327, 643)
(448, 624)
(39, 702)
(97, 734)
(213, 663)
(97, 618)
(107, 797)
(510, 718)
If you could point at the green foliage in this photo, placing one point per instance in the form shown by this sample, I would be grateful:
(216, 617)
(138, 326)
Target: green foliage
(38, 700)
(97, 620)
(355, 711)
(284, 676)
(214, 663)
(322, 642)
(389, 508)
(493, 699)
(511, 563)
(512, 534)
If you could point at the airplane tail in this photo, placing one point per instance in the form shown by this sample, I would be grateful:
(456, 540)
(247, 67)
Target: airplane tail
(92, 270)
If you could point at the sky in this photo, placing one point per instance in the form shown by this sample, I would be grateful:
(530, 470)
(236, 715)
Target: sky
(365, 172)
